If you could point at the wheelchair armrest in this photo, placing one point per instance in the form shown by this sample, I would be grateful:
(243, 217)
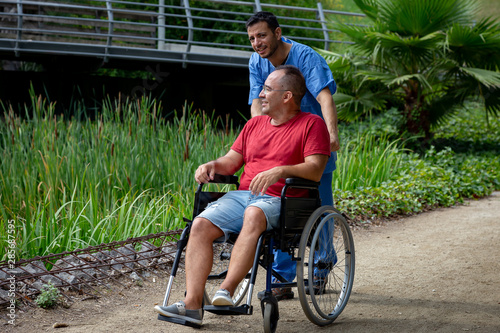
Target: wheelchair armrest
(301, 183)
(221, 179)
(225, 179)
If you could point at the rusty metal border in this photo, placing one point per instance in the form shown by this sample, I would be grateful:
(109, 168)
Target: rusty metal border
(89, 270)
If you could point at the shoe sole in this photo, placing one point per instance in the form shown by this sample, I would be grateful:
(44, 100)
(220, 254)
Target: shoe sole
(222, 301)
(159, 310)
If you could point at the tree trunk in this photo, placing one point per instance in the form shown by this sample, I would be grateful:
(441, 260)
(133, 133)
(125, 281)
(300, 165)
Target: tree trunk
(417, 117)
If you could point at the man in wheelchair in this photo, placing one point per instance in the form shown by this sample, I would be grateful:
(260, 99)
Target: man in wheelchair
(284, 142)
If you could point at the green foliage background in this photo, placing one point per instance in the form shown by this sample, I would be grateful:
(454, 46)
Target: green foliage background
(69, 183)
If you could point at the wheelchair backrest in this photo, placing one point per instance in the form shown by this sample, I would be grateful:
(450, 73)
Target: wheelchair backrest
(295, 211)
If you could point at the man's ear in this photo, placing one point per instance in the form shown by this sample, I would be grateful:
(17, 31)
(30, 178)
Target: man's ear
(287, 96)
(277, 33)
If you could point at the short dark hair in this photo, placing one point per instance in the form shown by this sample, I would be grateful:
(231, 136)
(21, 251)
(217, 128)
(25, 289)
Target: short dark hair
(294, 81)
(269, 18)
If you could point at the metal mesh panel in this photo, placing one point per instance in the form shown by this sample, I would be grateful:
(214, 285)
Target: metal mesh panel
(86, 270)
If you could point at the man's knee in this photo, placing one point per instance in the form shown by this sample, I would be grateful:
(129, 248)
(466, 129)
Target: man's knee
(255, 219)
(205, 229)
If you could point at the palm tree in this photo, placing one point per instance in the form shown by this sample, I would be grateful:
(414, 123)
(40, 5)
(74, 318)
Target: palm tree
(426, 57)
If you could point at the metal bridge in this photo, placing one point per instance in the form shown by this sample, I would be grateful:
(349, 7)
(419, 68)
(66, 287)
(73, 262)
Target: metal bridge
(176, 31)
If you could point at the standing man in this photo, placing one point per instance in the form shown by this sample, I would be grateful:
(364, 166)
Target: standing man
(272, 50)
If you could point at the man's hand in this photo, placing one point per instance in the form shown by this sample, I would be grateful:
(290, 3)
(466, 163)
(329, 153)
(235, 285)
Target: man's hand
(205, 173)
(225, 165)
(261, 182)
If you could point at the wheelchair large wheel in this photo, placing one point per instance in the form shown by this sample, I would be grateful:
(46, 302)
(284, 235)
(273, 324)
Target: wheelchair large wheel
(325, 271)
(222, 255)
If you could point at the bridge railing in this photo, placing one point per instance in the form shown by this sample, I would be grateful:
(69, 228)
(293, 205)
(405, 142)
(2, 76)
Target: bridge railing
(187, 31)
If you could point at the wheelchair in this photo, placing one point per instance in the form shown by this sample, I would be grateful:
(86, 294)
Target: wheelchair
(317, 237)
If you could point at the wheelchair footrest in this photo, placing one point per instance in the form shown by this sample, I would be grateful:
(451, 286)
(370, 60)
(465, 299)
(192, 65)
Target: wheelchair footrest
(229, 310)
(178, 321)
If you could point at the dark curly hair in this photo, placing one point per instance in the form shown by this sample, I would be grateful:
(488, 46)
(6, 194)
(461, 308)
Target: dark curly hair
(269, 18)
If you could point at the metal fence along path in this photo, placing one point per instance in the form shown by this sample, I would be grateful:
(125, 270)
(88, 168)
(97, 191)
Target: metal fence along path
(206, 32)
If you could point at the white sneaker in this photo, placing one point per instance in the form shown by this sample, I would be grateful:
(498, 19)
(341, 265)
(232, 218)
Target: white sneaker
(178, 310)
(222, 298)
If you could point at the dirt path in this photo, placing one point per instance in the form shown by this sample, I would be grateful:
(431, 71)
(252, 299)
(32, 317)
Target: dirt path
(438, 271)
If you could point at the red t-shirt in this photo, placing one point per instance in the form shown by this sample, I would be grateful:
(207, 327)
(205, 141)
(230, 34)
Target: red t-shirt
(265, 146)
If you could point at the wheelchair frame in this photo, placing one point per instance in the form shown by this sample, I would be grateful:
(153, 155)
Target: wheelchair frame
(304, 225)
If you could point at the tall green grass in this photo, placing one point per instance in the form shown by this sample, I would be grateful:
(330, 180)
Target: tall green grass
(125, 171)
(366, 161)
(69, 184)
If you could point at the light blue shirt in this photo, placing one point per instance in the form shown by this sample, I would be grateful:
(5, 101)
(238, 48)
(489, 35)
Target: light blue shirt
(316, 73)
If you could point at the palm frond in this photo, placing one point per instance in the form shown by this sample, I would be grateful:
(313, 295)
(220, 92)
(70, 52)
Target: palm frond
(420, 18)
(369, 8)
(412, 51)
(491, 99)
(490, 79)
(393, 80)
(475, 45)
(351, 107)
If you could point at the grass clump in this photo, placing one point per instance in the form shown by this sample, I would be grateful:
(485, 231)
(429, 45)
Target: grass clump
(48, 297)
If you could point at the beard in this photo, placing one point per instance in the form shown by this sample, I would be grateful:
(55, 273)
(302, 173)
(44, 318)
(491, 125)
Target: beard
(271, 50)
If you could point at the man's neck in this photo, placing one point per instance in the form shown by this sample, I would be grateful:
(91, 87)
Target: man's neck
(280, 120)
(281, 54)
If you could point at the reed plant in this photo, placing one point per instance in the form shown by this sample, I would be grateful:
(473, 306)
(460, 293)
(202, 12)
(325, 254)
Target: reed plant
(367, 161)
(71, 183)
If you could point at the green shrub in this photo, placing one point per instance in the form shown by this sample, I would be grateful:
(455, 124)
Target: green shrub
(48, 296)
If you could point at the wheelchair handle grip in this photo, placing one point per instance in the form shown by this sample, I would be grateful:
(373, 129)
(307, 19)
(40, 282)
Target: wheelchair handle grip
(221, 179)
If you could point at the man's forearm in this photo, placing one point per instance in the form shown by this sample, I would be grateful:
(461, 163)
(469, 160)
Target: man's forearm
(329, 111)
(311, 170)
(256, 108)
(225, 165)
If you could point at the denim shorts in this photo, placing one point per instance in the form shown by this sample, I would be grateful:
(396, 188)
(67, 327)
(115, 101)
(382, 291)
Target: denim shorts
(227, 212)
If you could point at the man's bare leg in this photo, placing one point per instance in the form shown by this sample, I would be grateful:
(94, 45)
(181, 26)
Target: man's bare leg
(199, 259)
(243, 253)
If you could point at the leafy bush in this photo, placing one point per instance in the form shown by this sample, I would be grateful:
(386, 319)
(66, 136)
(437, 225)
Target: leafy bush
(48, 296)
(466, 165)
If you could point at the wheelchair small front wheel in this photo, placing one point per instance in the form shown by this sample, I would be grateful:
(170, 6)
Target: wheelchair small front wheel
(325, 269)
(270, 317)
